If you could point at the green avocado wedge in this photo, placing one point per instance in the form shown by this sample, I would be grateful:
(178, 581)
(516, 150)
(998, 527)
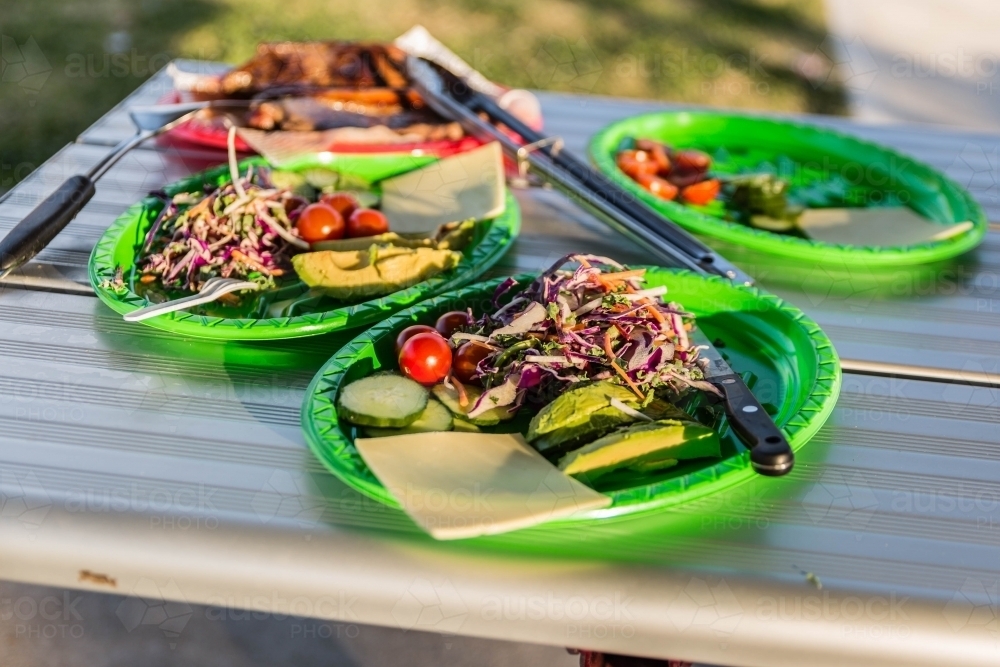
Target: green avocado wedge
(640, 444)
(579, 415)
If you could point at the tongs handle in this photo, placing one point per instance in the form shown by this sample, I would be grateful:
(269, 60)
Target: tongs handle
(770, 453)
(39, 227)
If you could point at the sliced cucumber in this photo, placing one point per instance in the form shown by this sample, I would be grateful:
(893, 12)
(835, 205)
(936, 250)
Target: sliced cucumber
(466, 427)
(435, 417)
(450, 399)
(386, 400)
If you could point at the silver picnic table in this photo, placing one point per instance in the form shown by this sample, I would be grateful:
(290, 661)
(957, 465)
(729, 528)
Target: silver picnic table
(136, 463)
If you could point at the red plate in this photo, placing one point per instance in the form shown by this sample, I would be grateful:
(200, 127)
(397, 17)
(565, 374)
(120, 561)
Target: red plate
(203, 134)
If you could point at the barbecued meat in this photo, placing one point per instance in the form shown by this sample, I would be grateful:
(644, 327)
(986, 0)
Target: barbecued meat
(304, 86)
(311, 65)
(310, 113)
(340, 107)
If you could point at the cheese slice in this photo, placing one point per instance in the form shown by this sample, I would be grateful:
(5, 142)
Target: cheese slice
(878, 226)
(462, 187)
(458, 485)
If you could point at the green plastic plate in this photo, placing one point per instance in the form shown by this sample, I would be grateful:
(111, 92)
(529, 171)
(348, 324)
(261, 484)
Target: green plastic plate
(119, 245)
(806, 156)
(796, 371)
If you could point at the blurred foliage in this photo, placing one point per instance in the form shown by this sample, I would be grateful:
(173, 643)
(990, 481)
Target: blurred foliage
(66, 62)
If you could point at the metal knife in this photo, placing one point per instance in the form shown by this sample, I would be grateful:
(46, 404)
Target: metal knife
(770, 453)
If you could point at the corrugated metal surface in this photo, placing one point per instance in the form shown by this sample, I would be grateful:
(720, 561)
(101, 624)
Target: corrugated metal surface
(179, 465)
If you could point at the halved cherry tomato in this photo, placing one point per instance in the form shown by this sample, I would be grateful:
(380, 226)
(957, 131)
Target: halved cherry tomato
(451, 322)
(691, 160)
(409, 332)
(635, 163)
(425, 358)
(343, 202)
(319, 222)
(467, 358)
(701, 193)
(658, 186)
(366, 222)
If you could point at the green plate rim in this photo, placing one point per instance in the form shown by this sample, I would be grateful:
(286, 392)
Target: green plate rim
(770, 243)
(337, 453)
(503, 231)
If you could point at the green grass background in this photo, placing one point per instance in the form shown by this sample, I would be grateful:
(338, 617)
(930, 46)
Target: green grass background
(66, 62)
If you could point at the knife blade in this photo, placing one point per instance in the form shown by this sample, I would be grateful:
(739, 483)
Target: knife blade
(770, 453)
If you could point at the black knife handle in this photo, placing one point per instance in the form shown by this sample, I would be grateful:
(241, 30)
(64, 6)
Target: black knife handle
(770, 453)
(40, 226)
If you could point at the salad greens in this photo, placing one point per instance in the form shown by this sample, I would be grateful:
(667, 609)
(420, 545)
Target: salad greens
(595, 322)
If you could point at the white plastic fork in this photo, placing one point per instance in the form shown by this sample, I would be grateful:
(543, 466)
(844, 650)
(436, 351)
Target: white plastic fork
(210, 291)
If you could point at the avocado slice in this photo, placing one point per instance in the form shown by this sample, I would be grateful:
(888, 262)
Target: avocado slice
(639, 444)
(580, 414)
(375, 271)
(365, 242)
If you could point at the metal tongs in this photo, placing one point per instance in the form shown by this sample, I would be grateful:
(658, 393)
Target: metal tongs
(588, 187)
(36, 230)
(770, 452)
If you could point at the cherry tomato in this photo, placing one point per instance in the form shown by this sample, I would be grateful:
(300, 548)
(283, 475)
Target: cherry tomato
(319, 222)
(467, 358)
(451, 322)
(691, 160)
(635, 163)
(658, 186)
(411, 331)
(343, 202)
(366, 222)
(425, 358)
(701, 193)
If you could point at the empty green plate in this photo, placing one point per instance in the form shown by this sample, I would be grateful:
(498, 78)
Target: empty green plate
(811, 159)
(796, 369)
(120, 243)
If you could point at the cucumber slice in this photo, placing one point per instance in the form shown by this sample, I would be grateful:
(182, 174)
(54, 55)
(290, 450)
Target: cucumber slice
(450, 399)
(386, 400)
(463, 426)
(435, 417)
